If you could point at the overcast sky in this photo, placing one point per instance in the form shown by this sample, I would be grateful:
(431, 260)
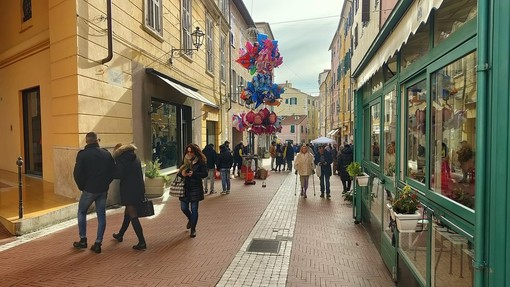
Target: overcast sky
(304, 30)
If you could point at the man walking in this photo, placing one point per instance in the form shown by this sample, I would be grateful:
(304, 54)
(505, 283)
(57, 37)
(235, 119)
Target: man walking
(324, 159)
(211, 156)
(93, 174)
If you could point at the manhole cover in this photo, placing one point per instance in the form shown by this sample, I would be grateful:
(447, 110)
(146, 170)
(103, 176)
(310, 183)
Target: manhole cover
(264, 245)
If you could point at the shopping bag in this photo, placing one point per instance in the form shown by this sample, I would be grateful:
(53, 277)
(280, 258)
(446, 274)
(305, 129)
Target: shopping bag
(177, 187)
(318, 170)
(145, 208)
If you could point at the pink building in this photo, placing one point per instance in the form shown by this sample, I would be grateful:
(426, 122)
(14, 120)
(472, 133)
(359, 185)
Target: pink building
(294, 129)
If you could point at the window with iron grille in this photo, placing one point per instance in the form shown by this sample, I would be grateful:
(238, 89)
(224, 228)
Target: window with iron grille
(186, 25)
(153, 16)
(27, 10)
(223, 70)
(209, 44)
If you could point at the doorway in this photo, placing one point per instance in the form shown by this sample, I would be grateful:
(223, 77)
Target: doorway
(32, 131)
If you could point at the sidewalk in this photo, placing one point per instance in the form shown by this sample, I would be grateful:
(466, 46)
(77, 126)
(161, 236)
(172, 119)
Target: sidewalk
(314, 241)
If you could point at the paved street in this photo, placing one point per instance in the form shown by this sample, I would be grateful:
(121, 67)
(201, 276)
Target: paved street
(315, 241)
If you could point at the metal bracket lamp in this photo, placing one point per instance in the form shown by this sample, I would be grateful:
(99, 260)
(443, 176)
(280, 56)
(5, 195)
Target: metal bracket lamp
(198, 39)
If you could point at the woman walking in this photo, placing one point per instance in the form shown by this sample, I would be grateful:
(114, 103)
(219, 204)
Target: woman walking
(193, 169)
(132, 191)
(304, 167)
(344, 159)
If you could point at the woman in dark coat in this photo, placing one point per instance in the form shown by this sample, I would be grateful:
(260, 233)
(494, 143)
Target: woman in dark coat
(344, 159)
(193, 169)
(132, 190)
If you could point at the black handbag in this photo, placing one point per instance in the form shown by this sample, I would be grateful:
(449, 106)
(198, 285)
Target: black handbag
(145, 208)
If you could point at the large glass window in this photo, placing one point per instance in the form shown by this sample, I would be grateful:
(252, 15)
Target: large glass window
(416, 46)
(452, 15)
(165, 142)
(390, 132)
(416, 127)
(375, 131)
(453, 135)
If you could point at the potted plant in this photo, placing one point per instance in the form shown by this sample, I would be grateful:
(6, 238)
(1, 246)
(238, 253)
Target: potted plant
(405, 209)
(355, 171)
(155, 182)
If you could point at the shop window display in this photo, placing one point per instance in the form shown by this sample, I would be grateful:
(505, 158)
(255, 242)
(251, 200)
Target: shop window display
(390, 133)
(164, 133)
(375, 121)
(416, 129)
(453, 135)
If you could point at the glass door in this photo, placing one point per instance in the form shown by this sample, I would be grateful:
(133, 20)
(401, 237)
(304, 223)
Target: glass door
(32, 132)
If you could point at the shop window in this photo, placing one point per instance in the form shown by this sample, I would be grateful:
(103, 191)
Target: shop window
(415, 245)
(165, 141)
(416, 46)
(453, 136)
(452, 258)
(416, 127)
(375, 121)
(452, 15)
(390, 133)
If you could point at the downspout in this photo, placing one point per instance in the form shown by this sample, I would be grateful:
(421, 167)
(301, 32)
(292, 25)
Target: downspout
(479, 262)
(229, 62)
(109, 25)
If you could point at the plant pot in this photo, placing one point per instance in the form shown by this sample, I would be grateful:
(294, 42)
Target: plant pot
(363, 179)
(390, 211)
(154, 187)
(407, 222)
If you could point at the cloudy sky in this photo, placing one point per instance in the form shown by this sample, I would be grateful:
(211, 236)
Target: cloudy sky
(304, 30)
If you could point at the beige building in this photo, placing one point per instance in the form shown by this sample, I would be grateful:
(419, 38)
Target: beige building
(127, 70)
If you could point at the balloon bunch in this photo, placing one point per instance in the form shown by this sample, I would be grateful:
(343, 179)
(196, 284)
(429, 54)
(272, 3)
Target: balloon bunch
(262, 90)
(262, 122)
(262, 56)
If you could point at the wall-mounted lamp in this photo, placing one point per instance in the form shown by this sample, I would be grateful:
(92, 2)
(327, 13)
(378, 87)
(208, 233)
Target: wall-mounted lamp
(198, 39)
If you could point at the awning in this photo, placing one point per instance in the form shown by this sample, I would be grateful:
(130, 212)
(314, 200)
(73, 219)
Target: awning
(416, 14)
(333, 132)
(182, 89)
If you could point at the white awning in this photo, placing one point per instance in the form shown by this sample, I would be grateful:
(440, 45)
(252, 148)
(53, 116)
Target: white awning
(418, 13)
(186, 91)
(332, 132)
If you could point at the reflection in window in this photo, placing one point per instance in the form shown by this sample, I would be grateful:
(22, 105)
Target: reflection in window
(416, 46)
(453, 136)
(164, 134)
(452, 259)
(452, 15)
(416, 99)
(375, 120)
(390, 132)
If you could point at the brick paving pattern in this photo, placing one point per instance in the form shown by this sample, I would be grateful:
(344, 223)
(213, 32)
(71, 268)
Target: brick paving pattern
(320, 246)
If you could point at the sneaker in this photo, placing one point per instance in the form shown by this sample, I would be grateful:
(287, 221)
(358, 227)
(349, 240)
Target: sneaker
(96, 247)
(223, 192)
(228, 191)
(80, 244)
(322, 195)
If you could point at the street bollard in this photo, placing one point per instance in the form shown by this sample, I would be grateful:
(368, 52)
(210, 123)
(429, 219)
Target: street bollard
(20, 187)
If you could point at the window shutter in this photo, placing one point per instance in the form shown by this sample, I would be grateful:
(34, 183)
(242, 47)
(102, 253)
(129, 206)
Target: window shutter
(365, 11)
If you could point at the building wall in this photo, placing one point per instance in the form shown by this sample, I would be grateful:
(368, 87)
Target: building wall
(366, 31)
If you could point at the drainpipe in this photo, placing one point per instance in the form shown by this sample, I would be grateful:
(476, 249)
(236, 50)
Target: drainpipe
(109, 24)
(481, 158)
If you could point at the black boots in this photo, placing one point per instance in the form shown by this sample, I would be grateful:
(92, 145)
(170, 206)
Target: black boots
(96, 247)
(80, 244)
(118, 236)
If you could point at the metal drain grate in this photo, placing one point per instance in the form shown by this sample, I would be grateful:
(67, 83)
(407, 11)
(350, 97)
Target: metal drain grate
(264, 245)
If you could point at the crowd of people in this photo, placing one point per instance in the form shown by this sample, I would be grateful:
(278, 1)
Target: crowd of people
(96, 168)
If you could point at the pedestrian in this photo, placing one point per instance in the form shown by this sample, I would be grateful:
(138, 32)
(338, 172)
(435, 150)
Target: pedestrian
(238, 158)
(227, 145)
(334, 154)
(193, 169)
(344, 159)
(132, 191)
(223, 164)
(211, 156)
(289, 155)
(375, 152)
(324, 160)
(272, 153)
(304, 167)
(279, 157)
(93, 173)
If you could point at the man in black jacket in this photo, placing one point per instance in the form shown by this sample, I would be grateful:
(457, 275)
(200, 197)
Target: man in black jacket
(211, 156)
(93, 174)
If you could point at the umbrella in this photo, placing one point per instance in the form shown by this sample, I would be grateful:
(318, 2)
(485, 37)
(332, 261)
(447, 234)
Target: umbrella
(323, 140)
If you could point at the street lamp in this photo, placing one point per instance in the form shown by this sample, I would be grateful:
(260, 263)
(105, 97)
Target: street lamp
(198, 39)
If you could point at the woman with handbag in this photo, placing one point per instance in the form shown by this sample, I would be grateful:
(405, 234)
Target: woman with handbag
(132, 191)
(193, 170)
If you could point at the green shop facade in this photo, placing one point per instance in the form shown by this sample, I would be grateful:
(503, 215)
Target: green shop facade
(432, 112)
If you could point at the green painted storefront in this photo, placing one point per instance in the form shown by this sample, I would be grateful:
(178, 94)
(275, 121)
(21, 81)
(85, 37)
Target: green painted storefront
(436, 116)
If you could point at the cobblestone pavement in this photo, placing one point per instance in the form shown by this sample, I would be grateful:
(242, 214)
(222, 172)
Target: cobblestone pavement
(315, 240)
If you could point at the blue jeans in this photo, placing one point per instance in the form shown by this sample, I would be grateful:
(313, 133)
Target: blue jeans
(86, 200)
(191, 215)
(324, 183)
(225, 178)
